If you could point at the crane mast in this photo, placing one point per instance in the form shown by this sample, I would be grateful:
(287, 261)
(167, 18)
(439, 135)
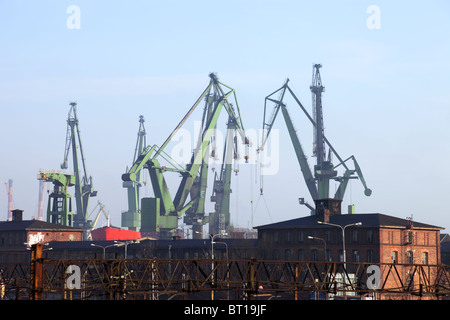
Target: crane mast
(219, 220)
(59, 208)
(317, 89)
(323, 170)
(131, 217)
(83, 184)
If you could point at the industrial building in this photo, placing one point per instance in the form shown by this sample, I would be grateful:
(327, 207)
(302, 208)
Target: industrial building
(17, 235)
(368, 237)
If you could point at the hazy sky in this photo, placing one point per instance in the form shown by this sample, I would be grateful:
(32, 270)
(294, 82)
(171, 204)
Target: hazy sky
(385, 70)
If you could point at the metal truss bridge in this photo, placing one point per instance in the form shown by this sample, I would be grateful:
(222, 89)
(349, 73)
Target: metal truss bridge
(165, 279)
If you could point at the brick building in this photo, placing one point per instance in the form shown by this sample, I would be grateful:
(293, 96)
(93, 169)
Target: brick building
(370, 237)
(17, 234)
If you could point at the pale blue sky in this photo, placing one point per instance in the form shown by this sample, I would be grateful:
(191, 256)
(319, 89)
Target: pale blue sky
(387, 97)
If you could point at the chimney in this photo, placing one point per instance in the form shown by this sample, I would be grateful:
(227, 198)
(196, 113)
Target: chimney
(326, 215)
(17, 215)
(325, 208)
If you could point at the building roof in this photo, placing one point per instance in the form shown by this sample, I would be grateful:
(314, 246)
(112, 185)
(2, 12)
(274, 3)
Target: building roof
(31, 225)
(367, 220)
(174, 244)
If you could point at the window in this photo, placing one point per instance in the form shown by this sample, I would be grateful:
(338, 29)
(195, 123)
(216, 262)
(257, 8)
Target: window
(355, 256)
(287, 254)
(394, 256)
(328, 255)
(370, 236)
(300, 236)
(341, 255)
(409, 257)
(314, 255)
(355, 235)
(370, 256)
(301, 255)
(287, 237)
(276, 254)
(425, 258)
(276, 236)
(327, 236)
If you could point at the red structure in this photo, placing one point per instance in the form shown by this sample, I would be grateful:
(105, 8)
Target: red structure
(113, 233)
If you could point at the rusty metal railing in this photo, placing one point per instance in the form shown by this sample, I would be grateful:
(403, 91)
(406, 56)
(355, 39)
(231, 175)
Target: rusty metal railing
(111, 279)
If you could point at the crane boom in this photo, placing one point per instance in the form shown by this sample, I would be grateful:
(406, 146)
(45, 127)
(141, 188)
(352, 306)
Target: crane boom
(83, 185)
(131, 217)
(163, 210)
(324, 171)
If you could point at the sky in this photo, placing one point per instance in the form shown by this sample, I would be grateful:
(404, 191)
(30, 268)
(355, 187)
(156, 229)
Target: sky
(385, 67)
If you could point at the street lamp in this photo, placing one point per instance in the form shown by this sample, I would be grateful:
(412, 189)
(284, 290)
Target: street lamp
(212, 241)
(343, 236)
(324, 243)
(104, 248)
(343, 246)
(212, 257)
(126, 243)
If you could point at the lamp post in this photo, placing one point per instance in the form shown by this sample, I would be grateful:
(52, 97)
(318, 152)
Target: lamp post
(343, 236)
(343, 246)
(324, 244)
(104, 248)
(212, 241)
(126, 243)
(212, 257)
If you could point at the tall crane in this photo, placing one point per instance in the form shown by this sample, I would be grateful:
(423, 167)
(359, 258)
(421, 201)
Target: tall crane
(162, 212)
(83, 183)
(219, 220)
(59, 208)
(324, 170)
(132, 217)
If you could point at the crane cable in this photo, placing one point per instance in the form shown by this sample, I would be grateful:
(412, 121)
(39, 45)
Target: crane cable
(261, 189)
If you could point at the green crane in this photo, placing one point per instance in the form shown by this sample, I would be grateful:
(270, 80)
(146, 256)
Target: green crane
(83, 184)
(161, 213)
(59, 208)
(324, 170)
(131, 218)
(219, 220)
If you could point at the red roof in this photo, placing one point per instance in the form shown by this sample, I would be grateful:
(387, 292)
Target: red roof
(113, 233)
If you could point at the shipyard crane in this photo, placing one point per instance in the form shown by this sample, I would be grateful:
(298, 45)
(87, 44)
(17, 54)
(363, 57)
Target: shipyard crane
(163, 210)
(59, 208)
(83, 183)
(219, 220)
(324, 170)
(131, 218)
